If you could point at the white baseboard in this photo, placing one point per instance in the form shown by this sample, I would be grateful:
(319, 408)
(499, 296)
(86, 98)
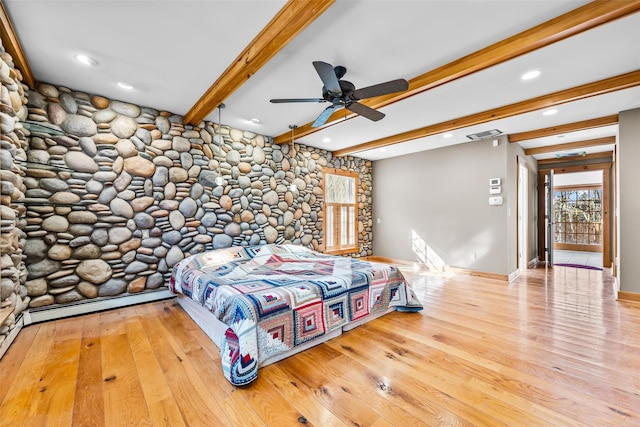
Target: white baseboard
(12, 336)
(90, 306)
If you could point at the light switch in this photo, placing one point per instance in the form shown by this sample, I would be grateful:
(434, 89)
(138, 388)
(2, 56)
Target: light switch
(495, 201)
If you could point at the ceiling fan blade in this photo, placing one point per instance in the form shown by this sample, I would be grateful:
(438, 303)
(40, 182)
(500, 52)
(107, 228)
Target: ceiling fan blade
(392, 86)
(364, 111)
(283, 100)
(328, 76)
(324, 116)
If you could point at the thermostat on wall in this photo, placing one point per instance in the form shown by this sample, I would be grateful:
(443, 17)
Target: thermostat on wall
(494, 181)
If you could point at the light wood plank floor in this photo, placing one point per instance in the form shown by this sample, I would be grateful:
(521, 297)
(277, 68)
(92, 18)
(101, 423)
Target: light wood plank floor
(553, 349)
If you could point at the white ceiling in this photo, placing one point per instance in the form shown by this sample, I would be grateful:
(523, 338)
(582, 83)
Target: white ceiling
(172, 51)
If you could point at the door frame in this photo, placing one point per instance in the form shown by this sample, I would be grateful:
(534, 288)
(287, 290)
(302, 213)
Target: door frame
(606, 202)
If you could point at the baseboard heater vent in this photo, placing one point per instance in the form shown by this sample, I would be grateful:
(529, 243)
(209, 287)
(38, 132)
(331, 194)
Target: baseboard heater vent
(45, 314)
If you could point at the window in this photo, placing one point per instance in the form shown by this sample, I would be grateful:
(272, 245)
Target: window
(578, 216)
(340, 210)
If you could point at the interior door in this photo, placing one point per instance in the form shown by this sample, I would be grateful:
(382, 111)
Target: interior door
(549, 216)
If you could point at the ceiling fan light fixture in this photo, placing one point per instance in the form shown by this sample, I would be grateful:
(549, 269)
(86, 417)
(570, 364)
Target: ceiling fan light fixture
(530, 75)
(484, 134)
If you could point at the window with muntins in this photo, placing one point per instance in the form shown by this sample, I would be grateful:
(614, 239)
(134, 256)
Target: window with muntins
(340, 210)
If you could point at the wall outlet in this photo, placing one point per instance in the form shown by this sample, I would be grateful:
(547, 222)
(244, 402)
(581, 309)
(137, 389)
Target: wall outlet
(378, 221)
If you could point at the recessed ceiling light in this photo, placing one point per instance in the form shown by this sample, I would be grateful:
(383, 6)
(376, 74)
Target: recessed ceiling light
(530, 75)
(126, 86)
(86, 60)
(254, 121)
(326, 139)
(550, 112)
(382, 150)
(561, 136)
(447, 135)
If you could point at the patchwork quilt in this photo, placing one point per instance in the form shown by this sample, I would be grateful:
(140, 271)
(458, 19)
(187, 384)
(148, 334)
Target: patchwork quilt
(275, 297)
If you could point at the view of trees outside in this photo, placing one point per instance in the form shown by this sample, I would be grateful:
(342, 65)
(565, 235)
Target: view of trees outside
(578, 215)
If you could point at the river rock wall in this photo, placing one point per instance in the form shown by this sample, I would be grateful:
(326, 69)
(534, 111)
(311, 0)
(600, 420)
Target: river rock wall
(13, 143)
(122, 193)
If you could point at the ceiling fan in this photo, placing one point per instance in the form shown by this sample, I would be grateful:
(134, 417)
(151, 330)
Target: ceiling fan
(341, 93)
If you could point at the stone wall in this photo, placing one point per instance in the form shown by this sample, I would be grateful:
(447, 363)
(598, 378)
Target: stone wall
(13, 294)
(124, 192)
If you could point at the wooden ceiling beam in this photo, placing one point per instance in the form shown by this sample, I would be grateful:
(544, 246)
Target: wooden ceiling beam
(607, 140)
(294, 17)
(601, 87)
(566, 128)
(12, 45)
(545, 164)
(569, 24)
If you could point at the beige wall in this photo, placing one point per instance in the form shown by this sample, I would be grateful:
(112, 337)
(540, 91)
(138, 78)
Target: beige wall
(629, 200)
(439, 198)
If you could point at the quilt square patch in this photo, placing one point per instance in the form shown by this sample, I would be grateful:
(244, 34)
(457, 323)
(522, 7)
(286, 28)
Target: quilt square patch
(336, 312)
(308, 322)
(358, 304)
(275, 334)
(378, 297)
(269, 301)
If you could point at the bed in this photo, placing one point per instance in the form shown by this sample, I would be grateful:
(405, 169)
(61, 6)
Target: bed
(260, 304)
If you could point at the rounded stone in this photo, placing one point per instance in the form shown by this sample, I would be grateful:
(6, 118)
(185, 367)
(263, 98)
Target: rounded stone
(94, 187)
(270, 234)
(270, 198)
(126, 148)
(104, 116)
(209, 219)
(87, 289)
(55, 223)
(43, 268)
(112, 287)
(100, 237)
(119, 235)
(232, 229)
(258, 155)
(226, 203)
(95, 271)
(123, 127)
(53, 185)
(82, 217)
(141, 203)
(136, 267)
(87, 252)
(172, 237)
(121, 207)
(144, 220)
(174, 256)
(64, 197)
(41, 301)
(181, 144)
(233, 157)
(125, 108)
(222, 241)
(155, 280)
(176, 219)
(188, 207)
(79, 125)
(59, 252)
(36, 287)
(80, 162)
(177, 174)
(99, 101)
(139, 166)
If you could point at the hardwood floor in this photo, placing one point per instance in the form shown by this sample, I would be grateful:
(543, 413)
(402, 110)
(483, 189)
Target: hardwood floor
(553, 349)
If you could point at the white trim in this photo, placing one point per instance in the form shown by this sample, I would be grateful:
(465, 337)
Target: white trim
(514, 275)
(90, 306)
(11, 337)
